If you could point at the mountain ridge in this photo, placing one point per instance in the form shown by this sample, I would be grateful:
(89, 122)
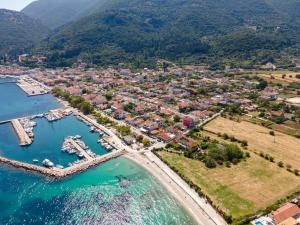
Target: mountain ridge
(19, 32)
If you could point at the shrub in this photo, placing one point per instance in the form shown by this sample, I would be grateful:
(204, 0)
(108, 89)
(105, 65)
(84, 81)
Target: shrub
(289, 167)
(296, 172)
(280, 164)
(272, 133)
(225, 136)
(235, 161)
(227, 164)
(247, 154)
(210, 163)
(244, 143)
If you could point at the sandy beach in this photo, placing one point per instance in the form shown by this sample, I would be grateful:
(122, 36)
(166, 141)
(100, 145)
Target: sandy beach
(202, 212)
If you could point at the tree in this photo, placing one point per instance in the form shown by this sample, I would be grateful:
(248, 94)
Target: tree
(86, 108)
(176, 118)
(108, 96)
(124, 130)
(146, 142)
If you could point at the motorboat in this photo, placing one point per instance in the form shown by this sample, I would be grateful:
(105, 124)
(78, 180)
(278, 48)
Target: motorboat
(48, 163)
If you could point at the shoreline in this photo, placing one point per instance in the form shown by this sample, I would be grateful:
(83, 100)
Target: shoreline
(187, 202)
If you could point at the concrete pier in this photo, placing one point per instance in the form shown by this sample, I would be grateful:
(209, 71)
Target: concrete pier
(23, 136)
(61, 173)
(31, 87)
(79, 148)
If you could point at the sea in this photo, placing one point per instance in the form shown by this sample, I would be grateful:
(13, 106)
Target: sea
(116, 192)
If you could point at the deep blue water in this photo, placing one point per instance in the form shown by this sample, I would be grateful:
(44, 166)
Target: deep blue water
(15, 103)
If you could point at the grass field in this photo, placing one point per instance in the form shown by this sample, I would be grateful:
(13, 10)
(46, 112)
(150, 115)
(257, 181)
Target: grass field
(242, 189)
(278, 76)
(282, 147)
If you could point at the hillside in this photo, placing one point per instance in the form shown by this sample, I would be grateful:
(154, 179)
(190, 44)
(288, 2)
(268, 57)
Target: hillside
(18, 32)
(217, 32)
(55, 13)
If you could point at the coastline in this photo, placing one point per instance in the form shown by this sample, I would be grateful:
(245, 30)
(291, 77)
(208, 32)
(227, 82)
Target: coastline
(195, 208)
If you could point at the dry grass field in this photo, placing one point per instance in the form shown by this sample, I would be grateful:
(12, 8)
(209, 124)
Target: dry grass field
(277, 76)
(282, 147)
(241, 190)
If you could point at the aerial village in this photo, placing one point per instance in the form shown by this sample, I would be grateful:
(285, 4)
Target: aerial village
(167, 108)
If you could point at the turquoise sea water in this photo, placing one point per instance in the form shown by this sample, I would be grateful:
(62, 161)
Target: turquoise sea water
(48, 141)
(116, 192)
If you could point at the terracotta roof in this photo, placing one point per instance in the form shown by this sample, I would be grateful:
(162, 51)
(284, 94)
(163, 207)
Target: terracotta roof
(285, 212)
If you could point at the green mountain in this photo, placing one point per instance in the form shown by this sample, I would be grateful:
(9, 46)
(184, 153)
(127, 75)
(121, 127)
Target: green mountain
(19, 32)
(55, 13)
(214, 31)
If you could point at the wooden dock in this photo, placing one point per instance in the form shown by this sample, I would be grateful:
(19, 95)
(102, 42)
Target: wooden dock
(23, 136)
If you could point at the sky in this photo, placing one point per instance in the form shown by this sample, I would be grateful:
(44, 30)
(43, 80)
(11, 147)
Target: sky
(14, 4)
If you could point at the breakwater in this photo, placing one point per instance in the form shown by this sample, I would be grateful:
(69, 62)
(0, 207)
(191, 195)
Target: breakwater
(61, 173)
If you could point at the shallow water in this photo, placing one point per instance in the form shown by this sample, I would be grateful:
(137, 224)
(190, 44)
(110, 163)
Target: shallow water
(116, 192)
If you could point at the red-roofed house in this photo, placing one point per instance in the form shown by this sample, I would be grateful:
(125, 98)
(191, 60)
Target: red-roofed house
(285, 212)
(188, 122)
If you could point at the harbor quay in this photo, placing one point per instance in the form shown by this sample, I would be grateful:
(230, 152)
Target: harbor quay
(32, 87)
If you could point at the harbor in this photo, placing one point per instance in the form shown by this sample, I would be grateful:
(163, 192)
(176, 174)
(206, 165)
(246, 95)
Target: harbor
(72, 144)
(31, 86)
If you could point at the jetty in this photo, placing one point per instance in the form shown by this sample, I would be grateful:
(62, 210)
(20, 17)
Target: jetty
(23, 136)
(58, 173)
(79, 148)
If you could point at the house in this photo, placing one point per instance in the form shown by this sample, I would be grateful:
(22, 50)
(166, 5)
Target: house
(116, 106)
(188, 122)
(119, 114)
(74, 90)
(99, 100)
(150, 125)
(269, 93)
(162, 135)
(288, 211)
(186, 142)
(277, 114)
